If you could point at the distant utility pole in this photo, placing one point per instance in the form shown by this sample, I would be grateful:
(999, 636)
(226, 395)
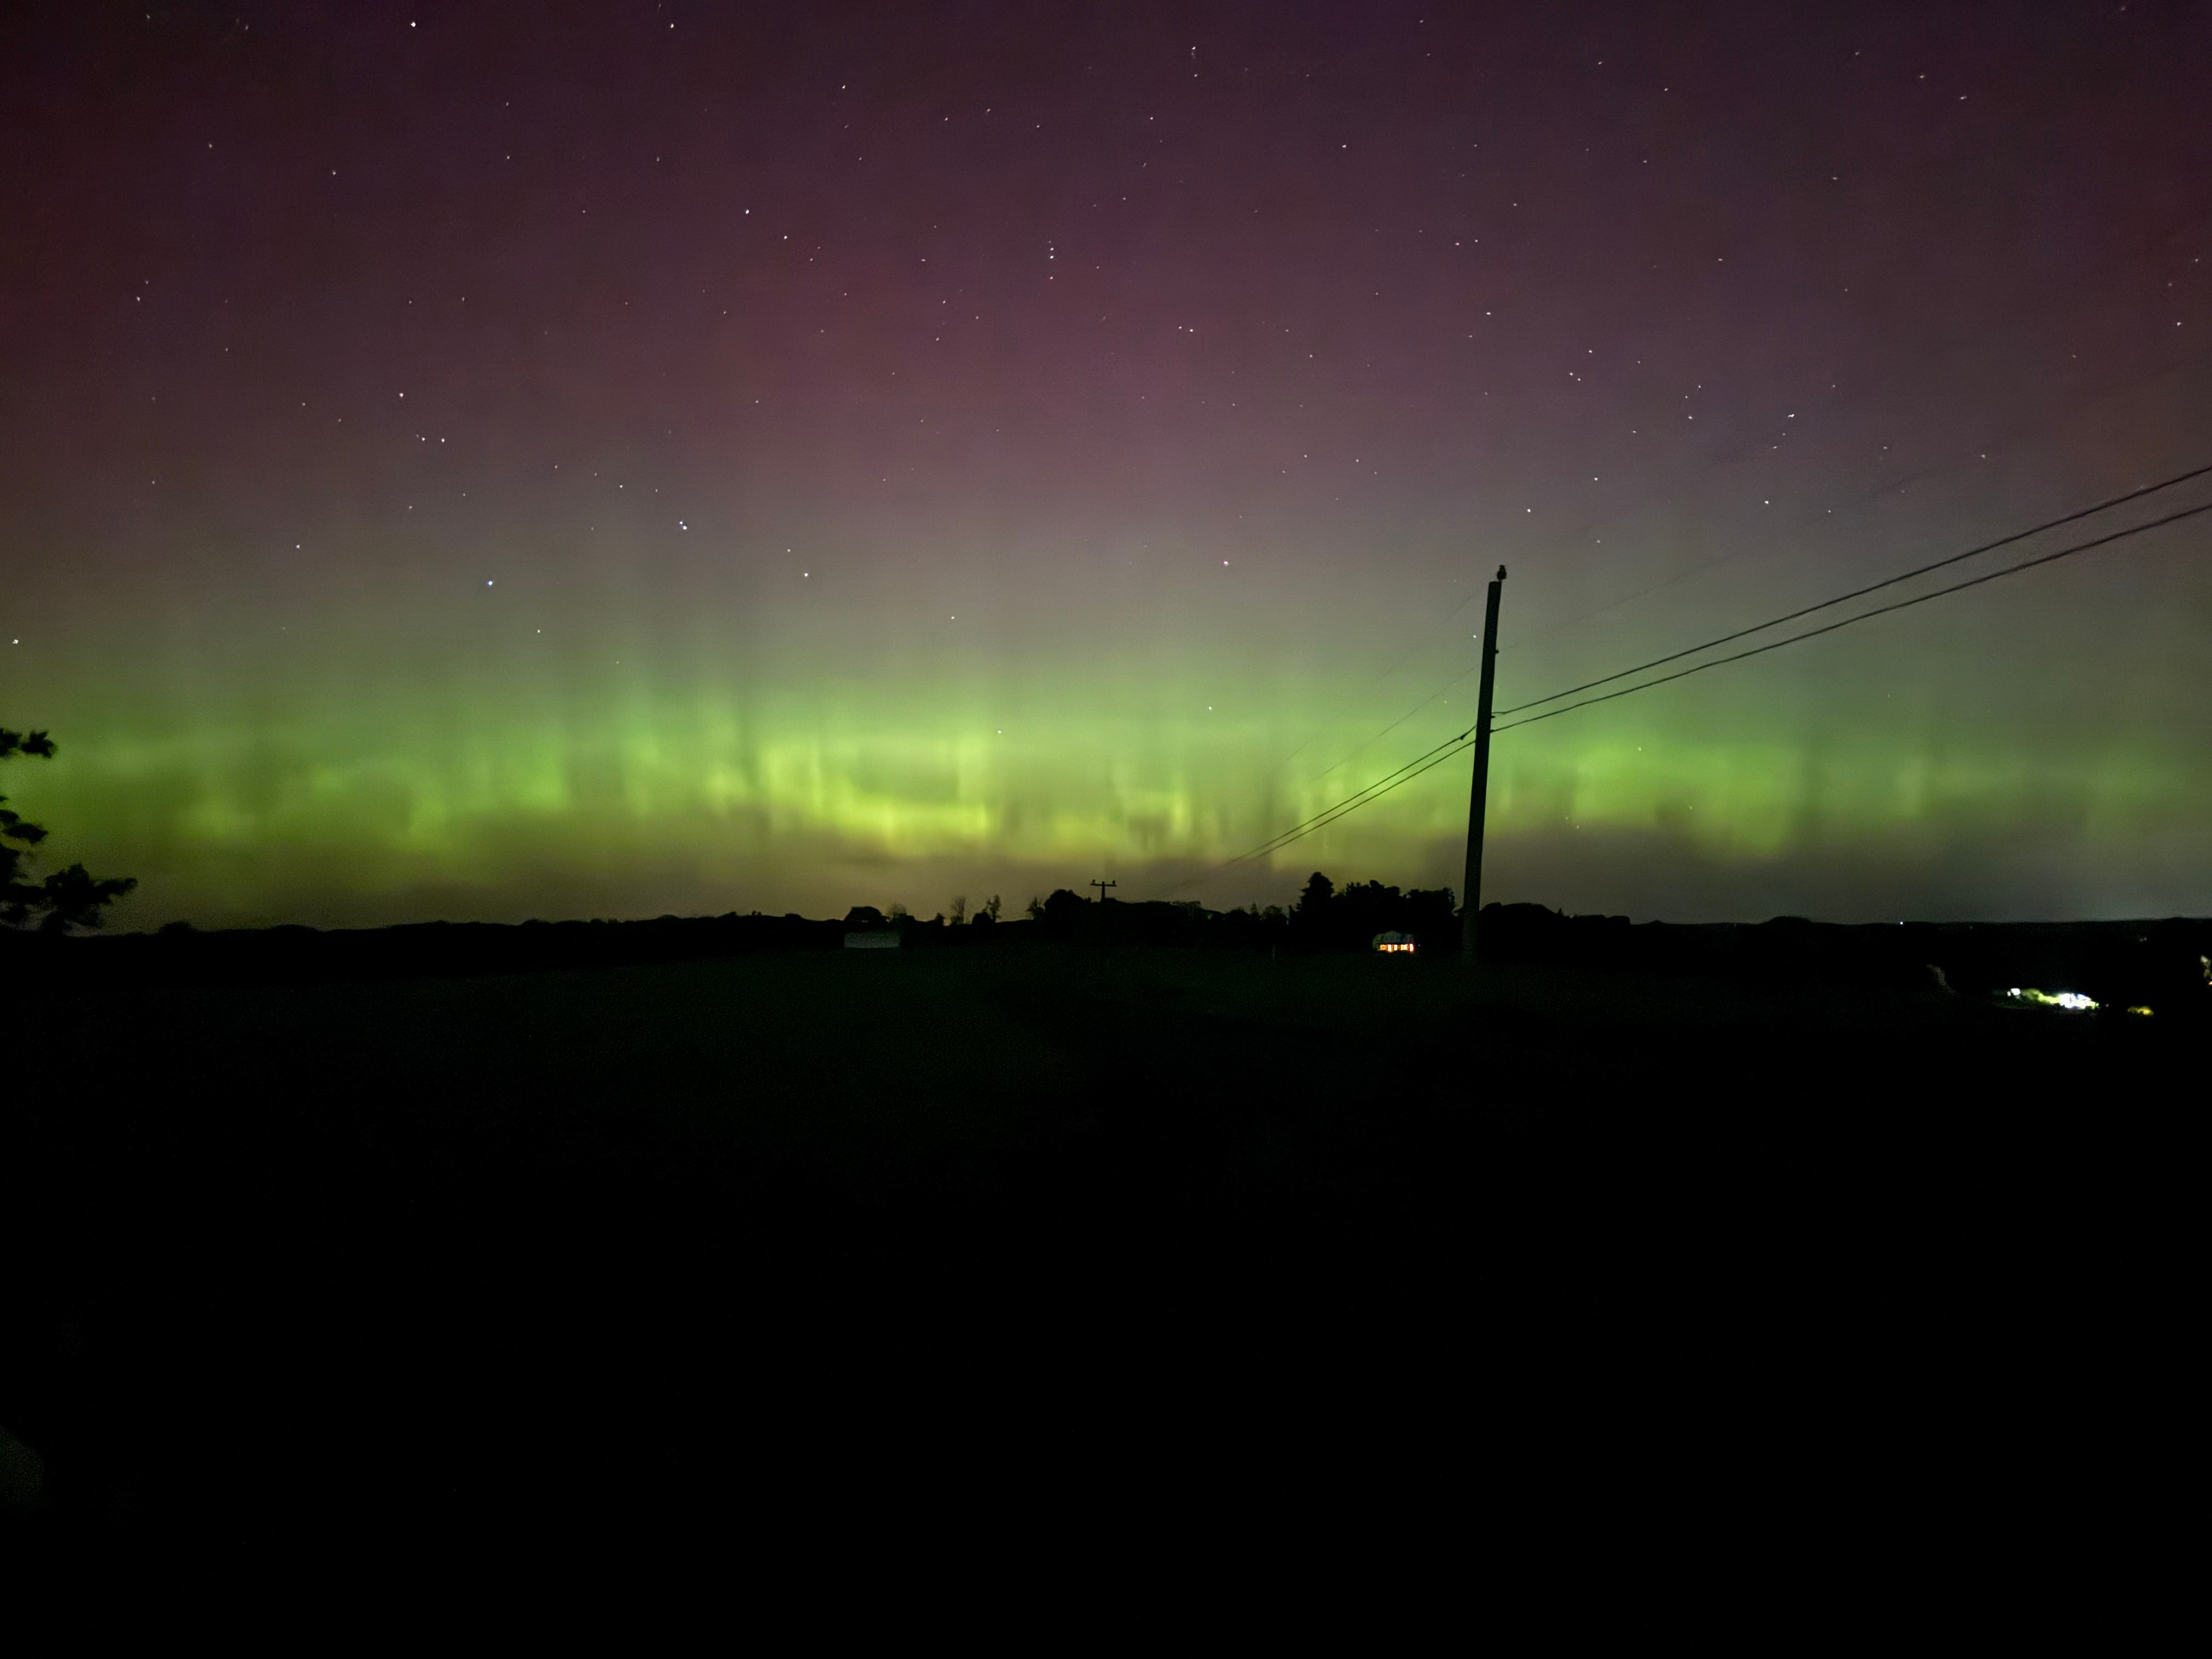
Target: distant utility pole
(1102, 887)
(1478, 791)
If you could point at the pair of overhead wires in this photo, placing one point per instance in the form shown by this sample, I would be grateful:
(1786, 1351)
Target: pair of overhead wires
(1872, 587)
(1458, 744)
(1891, 487)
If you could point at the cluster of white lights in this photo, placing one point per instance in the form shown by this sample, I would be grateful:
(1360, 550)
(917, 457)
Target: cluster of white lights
(2072, 1001)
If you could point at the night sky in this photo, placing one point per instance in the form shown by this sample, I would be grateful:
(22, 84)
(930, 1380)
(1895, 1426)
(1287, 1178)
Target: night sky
(488, 461)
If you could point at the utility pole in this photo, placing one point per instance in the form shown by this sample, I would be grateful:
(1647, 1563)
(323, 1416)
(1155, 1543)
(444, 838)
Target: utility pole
(1102, 887)
(1478, 791)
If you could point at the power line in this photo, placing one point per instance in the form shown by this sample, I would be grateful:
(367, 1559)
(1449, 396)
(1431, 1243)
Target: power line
(1460, 744)
(1890, 488)
(2110, 390)
(1830, 627)
(1456, 746)
(1860, 592)
(1452, 748)
(1407, 715)
(1618, 515)
(1381, 786)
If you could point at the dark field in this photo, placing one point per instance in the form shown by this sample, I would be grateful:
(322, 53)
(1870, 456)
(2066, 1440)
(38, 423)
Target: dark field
(809, 1240)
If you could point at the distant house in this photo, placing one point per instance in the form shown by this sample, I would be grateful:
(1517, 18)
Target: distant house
(1394, 944)
(872, 939)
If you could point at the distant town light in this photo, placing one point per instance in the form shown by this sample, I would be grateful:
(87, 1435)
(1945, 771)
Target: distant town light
(2072, 1001)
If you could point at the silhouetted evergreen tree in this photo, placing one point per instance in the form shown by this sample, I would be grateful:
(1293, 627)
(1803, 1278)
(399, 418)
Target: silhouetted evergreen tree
(66, 898)
(1312, 918)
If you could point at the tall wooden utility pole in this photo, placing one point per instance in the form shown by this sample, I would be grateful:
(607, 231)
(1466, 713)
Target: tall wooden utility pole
(1478, 791)
(1102, 887)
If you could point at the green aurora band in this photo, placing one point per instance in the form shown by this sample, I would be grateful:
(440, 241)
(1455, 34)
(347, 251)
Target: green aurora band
(1860, 780)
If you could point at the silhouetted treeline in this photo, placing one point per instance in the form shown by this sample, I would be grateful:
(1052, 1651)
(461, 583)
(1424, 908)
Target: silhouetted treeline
(1323, 919)
(2156, 964)
(1329, 920)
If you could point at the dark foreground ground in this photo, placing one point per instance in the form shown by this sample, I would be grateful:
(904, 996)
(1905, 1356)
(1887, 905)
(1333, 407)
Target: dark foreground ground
(826, 1246)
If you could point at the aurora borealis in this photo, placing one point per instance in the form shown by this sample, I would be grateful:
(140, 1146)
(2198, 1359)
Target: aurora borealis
(487, 461)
